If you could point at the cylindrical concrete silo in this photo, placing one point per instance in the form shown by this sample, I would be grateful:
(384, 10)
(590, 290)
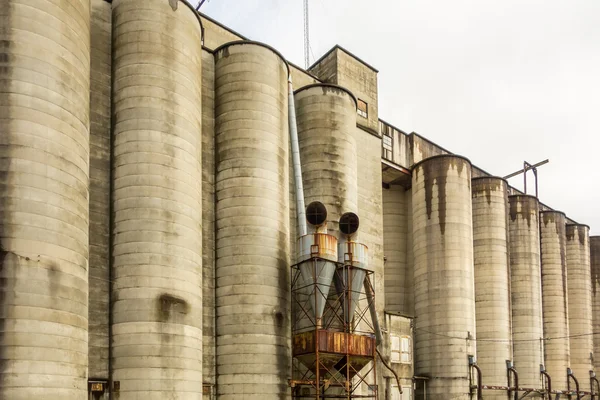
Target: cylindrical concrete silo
(492, 279)
(579, 285)
(443, 274)
(252, 222)
(595, 270)
(326, 116)
(44, 152)
(525, 282)
(554, 296)
(156, 346)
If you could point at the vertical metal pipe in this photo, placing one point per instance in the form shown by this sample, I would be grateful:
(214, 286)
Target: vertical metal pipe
(548, 382)
(300, 208)
(372, 310)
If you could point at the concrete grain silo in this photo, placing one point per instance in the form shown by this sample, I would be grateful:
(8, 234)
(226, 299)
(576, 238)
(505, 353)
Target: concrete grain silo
(252, 222)
(326, 116)
(525, 282)
(492, 279)
(156, 347)
(554, 296)
(595, 271)
(444, 283)
(44, 152)
(579, 285)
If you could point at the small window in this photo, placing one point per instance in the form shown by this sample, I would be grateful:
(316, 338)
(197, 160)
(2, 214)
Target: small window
(401, 350)
(363, 109)
(387, 145)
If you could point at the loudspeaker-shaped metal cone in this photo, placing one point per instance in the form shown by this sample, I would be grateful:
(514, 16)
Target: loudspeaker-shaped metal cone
(316, 277)
(350, 279)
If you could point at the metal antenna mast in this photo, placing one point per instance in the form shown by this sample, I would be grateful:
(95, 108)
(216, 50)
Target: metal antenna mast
(306, 36)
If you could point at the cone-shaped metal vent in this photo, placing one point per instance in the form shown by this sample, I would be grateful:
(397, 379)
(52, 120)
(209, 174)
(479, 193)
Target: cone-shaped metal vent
(348, 285)
(348, 279)
(317, 277)
(317, 254)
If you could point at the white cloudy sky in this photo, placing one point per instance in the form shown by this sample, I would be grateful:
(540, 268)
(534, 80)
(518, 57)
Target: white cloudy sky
(497, 81)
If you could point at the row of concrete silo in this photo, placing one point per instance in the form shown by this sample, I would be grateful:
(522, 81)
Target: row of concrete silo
(144, 182)
(519, 289)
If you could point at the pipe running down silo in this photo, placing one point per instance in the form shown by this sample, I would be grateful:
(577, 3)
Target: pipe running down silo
(525, 281)
(297, 165)
(443, 273)
(44, 123)
(492, 279)
(595, 271)
(554, 296)
(579, 286)
(157, 200)
(252, 222)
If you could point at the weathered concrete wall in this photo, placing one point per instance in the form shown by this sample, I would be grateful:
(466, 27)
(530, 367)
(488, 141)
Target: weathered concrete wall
(361, 79)
(554, 296)
(341, 67)
(326, 67)
(444, 282)
(395, 239)
(397, 326)
(328, 153)
(525, 282)
(208, 220)
(44, 120)
(492, 280)
(100, 109)
(580, 300)
(252, 221)
(300, 78)
(157, 200)
(423, 148)
(595, 271)
(216, 34)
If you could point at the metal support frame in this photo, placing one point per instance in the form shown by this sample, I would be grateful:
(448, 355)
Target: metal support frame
(528, 167)
(571, 376)
(594, 382)
(324, 380)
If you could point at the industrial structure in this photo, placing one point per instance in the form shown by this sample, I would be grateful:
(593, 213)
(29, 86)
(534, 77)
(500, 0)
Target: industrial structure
(187, 215)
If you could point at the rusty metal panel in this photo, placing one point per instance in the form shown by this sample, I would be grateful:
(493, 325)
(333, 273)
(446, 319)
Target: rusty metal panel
(303, 343)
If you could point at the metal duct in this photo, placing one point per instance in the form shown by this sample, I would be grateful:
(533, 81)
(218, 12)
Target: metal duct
(297, 166)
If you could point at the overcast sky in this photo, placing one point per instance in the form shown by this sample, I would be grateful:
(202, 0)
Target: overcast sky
(496, 81)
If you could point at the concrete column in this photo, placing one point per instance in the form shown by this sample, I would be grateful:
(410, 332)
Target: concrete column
(492, 280)
(157, 201)
(580, 301)
(395, 239)
(100, 109)
(208, 221)
(525, 282)
(554, 296)
(44, 186)
(252, 221)
(444, 283)
(595, 271)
